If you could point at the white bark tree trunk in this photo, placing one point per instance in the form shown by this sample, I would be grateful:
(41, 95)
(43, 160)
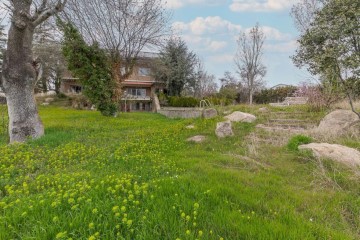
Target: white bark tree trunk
(18, 79)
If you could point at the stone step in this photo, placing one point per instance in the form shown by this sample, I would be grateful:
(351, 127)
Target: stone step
(282, 128)
(291, 125)
(288, 120)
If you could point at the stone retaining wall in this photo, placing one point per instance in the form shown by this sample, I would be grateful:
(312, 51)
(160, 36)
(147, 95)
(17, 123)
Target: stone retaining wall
(181, 112)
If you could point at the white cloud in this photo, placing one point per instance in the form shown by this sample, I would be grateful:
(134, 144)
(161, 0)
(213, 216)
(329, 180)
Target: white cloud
(282, 47)
(273, 33)
(222, 58)
(217, 45)
(207, 34)
(175, 4)
(208, 25)
(260, 5)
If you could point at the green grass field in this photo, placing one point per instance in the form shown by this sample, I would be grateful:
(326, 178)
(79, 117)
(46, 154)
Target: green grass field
(136, 177)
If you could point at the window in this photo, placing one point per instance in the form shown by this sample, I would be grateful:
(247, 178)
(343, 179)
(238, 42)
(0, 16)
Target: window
(144, 71)
(75, 89)
(138, 92)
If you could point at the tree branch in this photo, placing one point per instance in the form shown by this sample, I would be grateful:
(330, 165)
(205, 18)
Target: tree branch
(44, 14)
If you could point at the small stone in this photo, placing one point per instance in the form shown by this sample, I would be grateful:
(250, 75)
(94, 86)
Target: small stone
(263, 109)
(224, 129)
(210, 113)
(49, 100)
(45, 104)
(190, 127)
(197, 139)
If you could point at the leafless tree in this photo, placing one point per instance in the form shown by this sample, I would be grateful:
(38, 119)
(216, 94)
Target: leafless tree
(47, 48)
(248, 59)
(205, 83)
(20, 69)
(303, 13)
(124, 28)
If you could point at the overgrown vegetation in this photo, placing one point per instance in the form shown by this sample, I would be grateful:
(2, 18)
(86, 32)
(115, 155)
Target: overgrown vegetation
(90, 65)
(183, 102)
(136, 177)
(274, 95)
(296, 141)
(330, 46)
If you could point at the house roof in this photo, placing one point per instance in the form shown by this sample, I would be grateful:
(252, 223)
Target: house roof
(281, 85)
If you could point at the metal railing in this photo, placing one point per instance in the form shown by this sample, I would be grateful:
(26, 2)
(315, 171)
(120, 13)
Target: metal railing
(205, 103)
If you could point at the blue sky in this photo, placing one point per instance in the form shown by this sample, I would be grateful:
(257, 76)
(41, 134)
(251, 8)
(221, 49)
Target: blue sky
(211, 27)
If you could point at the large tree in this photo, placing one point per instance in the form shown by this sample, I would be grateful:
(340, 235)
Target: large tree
(21, 70)
(248, 59)
(331, 45)
(176, 66)
(124, 28)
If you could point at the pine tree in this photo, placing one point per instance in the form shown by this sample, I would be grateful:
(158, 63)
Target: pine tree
(176, 66)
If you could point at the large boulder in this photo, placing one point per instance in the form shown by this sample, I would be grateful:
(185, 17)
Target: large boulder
(338, 122)
(224, 129)
(334, 152)
(210, 113)
(197, 139)
(241, 117)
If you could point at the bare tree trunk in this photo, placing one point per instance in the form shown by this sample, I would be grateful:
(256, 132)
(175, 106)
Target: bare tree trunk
(251, 98)
(19, 77)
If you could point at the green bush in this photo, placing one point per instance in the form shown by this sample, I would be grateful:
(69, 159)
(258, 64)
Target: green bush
(61, 95)
(183, 102)
(274, 95)
(218, 101)
(294, 142)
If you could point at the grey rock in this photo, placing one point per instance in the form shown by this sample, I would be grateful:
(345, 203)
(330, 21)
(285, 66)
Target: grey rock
(337, 122)
(197, 139)
(335, 152)
(210, 113)
(241, 117)
(224, 129)
(264, 109)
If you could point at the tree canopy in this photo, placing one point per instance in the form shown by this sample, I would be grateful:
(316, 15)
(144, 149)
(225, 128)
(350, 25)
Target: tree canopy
(90, 64)
(331, 45)
(176, 66)
(248, 59)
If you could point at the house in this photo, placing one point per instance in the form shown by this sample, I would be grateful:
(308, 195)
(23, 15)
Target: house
(138, 89)
(69, 84)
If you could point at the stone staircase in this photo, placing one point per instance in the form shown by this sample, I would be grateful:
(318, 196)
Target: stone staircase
(279, 126)
(291, 101)
(287, 121)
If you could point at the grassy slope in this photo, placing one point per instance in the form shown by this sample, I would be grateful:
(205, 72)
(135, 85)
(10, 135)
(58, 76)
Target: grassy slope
(135, 177)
